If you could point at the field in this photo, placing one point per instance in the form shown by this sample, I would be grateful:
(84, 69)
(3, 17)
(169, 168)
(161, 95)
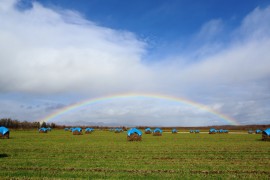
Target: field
(107, 155)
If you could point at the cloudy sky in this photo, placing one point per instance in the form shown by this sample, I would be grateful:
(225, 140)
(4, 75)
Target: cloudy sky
(54, 53)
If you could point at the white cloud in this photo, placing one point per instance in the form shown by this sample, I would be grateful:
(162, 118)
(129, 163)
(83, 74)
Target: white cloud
(44, 51)
(210, 30)
(255, 25)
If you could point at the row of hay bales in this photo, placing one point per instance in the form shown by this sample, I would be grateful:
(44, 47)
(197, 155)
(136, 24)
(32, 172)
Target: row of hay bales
(4, 132)
(44, 130)
(258, 131)
(265, 133)
(156, 132)
(194, 131)
(116, 130)
(135, 134)
(220, 131)
(78, 130)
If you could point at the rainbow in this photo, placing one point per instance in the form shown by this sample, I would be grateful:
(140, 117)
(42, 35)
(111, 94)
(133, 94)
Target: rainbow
(92, 101)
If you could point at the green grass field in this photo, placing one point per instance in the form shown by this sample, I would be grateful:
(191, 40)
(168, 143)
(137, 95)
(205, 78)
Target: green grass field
(107, 155)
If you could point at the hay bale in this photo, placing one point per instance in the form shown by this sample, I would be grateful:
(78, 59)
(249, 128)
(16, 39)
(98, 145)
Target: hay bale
(134, 137)
(258, 131)
(213, 131)
(77, 133)
(4, 132)
(148, 131)
(43, 130)
(118, 130)
(265, 137)
(157, 134)
(5, 136)
(174, 131)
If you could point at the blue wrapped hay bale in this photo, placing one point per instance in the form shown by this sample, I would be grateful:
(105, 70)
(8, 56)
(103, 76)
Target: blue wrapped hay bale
(174, 131)
(77, 131)
(4, 132)
(213, 131)
(226, 131)
(197, 131)
(157, 132)
(118, 130)
(258, 131)
(148, 131)
(89, 130)
(43, 130)
(134, 134)
(266, 135)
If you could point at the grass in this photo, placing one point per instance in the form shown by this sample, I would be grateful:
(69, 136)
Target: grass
(107, 155)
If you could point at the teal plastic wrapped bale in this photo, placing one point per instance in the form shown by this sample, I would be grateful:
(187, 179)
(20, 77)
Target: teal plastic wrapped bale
(174, 131)
(226, 131)
(4, 132)
(258, 131)
(266, 135)
(148, 131)
(221, 131)
(212, 131)
(89, 130)
(77, 131)
(250, 132)
(157, 132)
(43, 130)
(118, 130)
(191, 131)
(134, 134)
(49, 129)
(197, 131)
(66, 129)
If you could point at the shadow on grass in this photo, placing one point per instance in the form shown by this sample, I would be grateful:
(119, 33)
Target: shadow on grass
(3, 155)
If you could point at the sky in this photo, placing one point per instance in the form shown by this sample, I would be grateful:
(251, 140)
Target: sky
(187, 63)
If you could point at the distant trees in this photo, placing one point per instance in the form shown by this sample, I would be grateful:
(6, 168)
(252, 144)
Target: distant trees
(15, 124)
(43, 125)
(53, 125)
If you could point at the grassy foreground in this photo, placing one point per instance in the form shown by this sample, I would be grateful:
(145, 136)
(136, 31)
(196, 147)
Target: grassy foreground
(107, 155)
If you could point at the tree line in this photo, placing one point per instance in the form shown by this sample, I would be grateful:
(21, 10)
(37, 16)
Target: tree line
(16, 124)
